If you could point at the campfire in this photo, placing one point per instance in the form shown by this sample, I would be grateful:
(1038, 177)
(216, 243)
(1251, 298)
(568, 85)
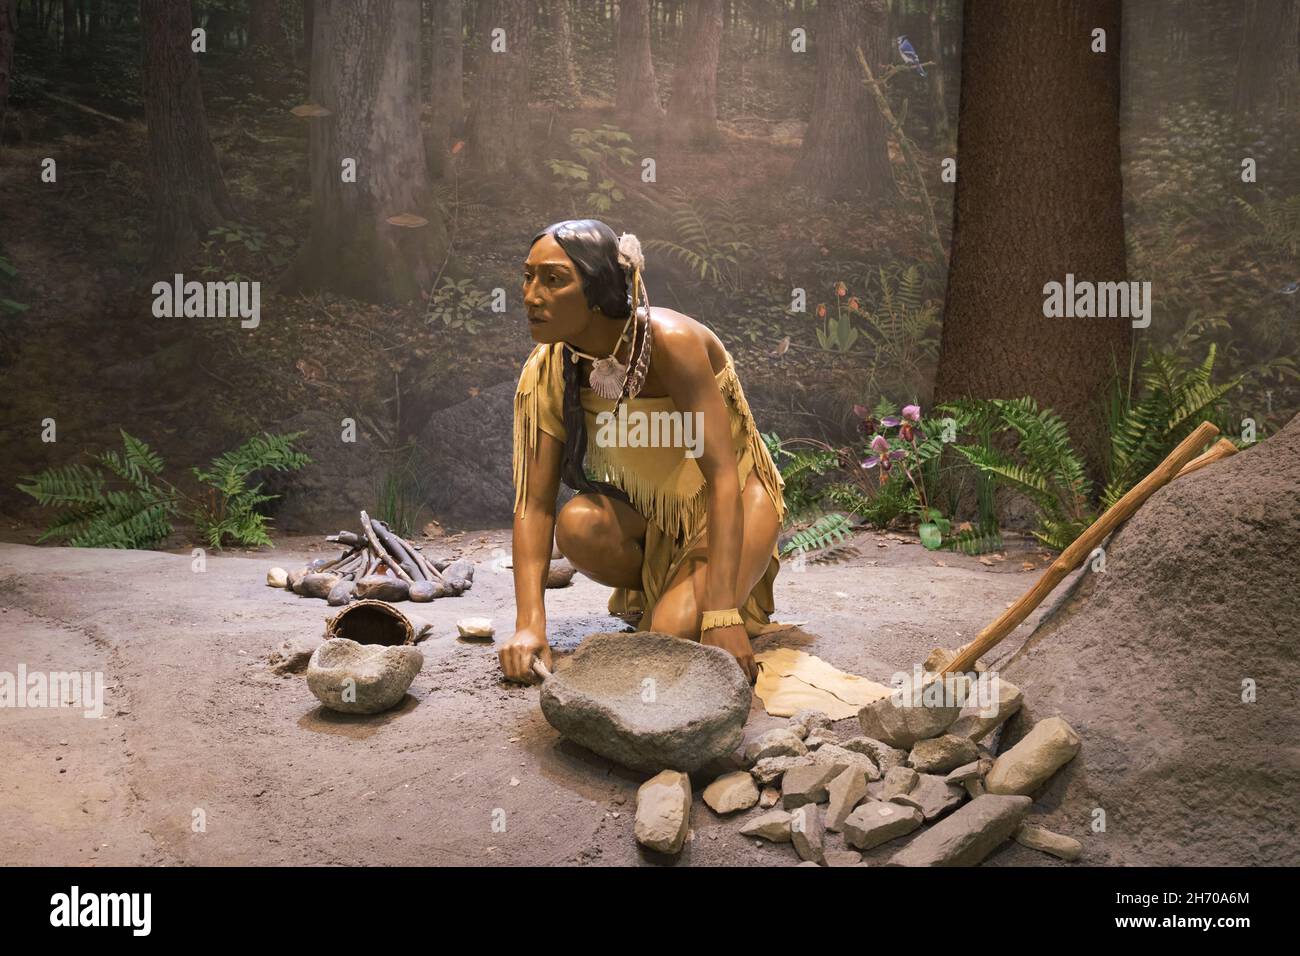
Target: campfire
(378, 564)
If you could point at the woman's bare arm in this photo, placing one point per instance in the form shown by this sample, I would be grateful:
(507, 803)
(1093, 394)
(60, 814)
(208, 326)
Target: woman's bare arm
(533, 535)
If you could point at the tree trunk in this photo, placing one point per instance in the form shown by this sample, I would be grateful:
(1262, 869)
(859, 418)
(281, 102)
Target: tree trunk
(693, 109)
(308, 29)
(8, 31)
(185, 183)
(845, 148)
(562, 27)
(69, 24)
(938, 99)
(636, 94)
(447, 113)
(266, 36)
(365, 70)
(1038, 196)
(498, 121)
(1268, 71)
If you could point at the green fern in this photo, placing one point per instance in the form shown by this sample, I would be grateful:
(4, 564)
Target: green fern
(115, 505)
(229, 509)
(826, 530)
(712, 239)
(1173, 400)
(1046, 468)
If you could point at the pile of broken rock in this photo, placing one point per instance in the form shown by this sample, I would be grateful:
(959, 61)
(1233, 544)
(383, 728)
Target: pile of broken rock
(916, 771)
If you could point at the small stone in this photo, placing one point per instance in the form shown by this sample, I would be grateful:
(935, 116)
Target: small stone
(1040, 838)
(931, 796)
(775, 743)
(770, 769)
(942, 754)
(663, 811)
(968, 836)
(803, 785)
(809, 863)
(967, 771)
(560, 575)
(843, 857)
(974, 723)
(837, 756)
(773, 826)
(846, 791)
(294, 654)
(911, 714)
(342, 593)
(277, 578)
(941, 657)
(884, 755)
(476, 627)
(899, 781)
(808, 833)
(810, 720)
(1028, 765)
(874, 823)
(421, 592)
(769, 798)
(731, 792)
(822, 735)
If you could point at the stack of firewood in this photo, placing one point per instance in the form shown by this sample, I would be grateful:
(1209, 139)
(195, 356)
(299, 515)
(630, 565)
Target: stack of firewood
(378, 564)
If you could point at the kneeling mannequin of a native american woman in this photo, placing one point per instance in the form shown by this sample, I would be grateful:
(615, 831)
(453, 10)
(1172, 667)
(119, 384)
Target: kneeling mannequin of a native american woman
(685, 532)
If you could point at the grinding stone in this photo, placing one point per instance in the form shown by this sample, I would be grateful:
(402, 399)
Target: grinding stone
(649, 701)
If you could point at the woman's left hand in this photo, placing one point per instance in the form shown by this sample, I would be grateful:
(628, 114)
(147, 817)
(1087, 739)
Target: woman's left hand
(734, 639)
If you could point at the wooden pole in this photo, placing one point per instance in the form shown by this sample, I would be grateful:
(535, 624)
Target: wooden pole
(1082, 546)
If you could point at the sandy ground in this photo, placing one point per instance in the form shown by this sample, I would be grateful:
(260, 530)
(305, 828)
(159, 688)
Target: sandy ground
(196, 725)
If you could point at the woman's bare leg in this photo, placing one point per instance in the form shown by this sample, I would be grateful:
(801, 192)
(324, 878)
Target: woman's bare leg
(679, 609)
(603, 538)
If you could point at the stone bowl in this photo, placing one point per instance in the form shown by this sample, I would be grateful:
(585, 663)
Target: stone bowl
(361, 678)
(649, 701)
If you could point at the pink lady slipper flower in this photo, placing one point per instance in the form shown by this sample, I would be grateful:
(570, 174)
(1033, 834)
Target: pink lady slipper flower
(908, 422)
(882, 456)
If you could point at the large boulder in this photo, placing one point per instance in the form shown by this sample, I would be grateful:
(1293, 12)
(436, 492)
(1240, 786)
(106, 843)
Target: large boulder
(649, 701)
(1175, 668)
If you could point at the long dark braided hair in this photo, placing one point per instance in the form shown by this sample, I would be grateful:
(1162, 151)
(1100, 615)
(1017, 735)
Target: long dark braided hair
(593, 247)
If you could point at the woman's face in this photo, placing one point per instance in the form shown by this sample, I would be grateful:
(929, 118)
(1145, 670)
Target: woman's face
(553, 297)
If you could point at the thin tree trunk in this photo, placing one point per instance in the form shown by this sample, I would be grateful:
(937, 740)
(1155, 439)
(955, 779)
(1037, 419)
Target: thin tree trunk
(1039, 195)
(266, 36)
(636, 94)
(938, 99)
(562, 27)
(447, 113)
(498, 122)
(845, 148)
(365, 70)
(69, 24)
(8, 31)
(185, 183)
(693, 109)
(1268, 71)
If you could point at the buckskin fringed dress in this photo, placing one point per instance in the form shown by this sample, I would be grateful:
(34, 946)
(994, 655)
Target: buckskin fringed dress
(664, 485)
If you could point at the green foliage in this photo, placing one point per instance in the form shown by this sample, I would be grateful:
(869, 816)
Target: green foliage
(115, 505)
(122, 500)
(587, 181)
(1043, 466)
(400, 493)
(1172, 401)
(825, 531)
(880, 508)
(233, 247)
(1274, 226)
(459, 304)
(901, 328)
(837, 334)
(983, 539)
(712, 238)
(229, 508)
(798, 469)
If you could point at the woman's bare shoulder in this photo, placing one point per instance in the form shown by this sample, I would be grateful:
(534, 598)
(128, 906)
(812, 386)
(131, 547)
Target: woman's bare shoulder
(679, 331)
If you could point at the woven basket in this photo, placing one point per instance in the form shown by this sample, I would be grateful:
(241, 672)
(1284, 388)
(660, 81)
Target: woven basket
(371, 622)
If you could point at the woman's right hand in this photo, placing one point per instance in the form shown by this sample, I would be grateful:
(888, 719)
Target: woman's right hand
(517, 655)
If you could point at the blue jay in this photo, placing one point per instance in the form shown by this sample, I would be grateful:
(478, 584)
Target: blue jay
(909, 54)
